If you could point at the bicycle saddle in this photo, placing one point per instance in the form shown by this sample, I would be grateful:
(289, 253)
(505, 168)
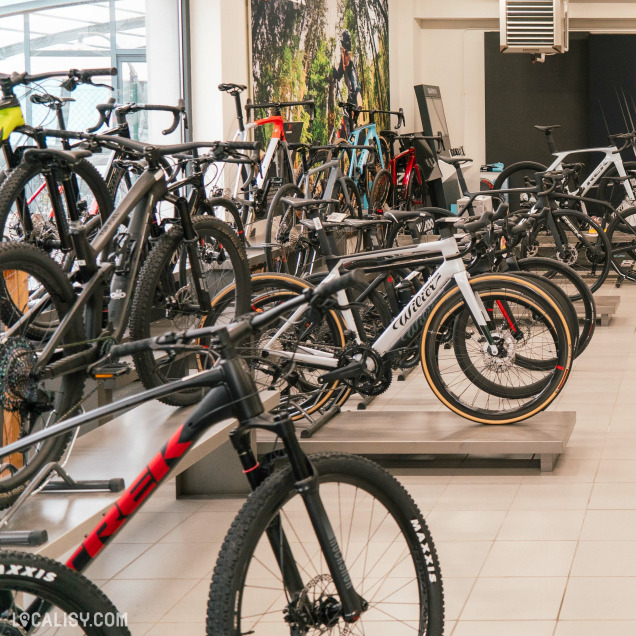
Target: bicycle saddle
(49, 99)
(238, 88)
(70, 157)
(294, 203)
(405, 215)
(390, 134)
(454, 161)
(547, 128)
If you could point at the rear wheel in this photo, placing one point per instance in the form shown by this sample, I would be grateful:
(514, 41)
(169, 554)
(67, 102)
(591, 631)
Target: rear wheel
(287, 246)
(165, 299)
(622, 237)
(519, 175)
(416, 192)
(31, 282)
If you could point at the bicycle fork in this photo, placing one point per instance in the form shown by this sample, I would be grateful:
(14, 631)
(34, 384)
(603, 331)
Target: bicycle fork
(351, 605)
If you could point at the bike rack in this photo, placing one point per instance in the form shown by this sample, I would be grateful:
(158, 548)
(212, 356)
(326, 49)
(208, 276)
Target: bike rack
(41, 483)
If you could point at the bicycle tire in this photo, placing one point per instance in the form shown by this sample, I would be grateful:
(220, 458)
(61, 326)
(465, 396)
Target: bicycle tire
(163, 270)
(441, 321)
(348, 240)
(621, 235)
(576, 290)
(374, 487)
(228, 208)
(60, 586)
(22, 257)
(272, 288)
(417, 192)
(497, 389)
(283, 236)
(380, 191)
(26, 171)
(517, 174)
(613, 192)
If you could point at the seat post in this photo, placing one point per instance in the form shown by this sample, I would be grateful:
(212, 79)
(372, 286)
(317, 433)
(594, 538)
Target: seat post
(550, 140)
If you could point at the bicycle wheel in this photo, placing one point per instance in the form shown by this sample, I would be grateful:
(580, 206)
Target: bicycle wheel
(30, 280)
(225, 210)
(621, 235)
(165, 299)
(26, 212)
(519, 175)
(585, 247)
(614, 191)
(287, 247)
(495, 388)
(417, 191)
(380, 191)
(575, 289)
(387, 550)
(301, 392)
(41, 595)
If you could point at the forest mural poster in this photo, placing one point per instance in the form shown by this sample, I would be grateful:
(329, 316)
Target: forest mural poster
(334, 50)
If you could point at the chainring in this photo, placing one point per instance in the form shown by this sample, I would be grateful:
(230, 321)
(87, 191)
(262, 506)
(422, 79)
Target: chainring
(9, 628)
(378, 375)
(17, 381)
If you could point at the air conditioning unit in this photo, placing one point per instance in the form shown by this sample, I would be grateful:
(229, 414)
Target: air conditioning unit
(534, 26)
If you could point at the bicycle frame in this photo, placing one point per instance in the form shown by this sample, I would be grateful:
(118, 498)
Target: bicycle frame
(409, 321)
(612, 157)
(232, 394)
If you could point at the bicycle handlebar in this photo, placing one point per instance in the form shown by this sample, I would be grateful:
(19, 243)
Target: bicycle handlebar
(398, 113)
(244, 328)
(309, 103)
(177, 111)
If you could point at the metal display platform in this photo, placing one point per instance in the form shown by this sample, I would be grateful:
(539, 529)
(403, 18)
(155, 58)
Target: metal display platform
(438, 433)
(606, 307)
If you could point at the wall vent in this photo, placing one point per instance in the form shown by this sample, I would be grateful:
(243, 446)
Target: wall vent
(534, 26)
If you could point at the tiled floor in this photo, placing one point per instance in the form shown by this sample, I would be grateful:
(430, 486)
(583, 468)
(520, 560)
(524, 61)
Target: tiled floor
(523, 553)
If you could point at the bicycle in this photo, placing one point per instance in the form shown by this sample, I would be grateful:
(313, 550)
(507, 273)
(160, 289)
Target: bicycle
(329, 358)
(277, 166)
(315, 546)
(611, 165)
(402, 184)
(59, 331)
(286, 245)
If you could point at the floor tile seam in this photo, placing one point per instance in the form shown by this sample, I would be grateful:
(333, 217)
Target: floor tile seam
(177, 601)
(150, 546)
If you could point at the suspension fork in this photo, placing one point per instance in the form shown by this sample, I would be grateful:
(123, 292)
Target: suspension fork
(307, 486)
(191, 239)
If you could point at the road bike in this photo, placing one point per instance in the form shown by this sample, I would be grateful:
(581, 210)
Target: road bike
(58, 330)
(324, 542)
(523, 347)
(618, 192)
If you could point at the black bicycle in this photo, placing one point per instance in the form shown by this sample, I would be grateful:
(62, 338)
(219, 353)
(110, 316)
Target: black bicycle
(325, 543)
(57, 329)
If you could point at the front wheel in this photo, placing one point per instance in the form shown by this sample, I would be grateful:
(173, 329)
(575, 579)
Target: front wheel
(519, 175)
(41, 595)
(387, 550)
(525, 371)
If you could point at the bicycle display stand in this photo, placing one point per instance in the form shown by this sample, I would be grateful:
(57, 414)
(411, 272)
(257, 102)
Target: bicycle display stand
(35, 538)
(606, 307)
(438, 433)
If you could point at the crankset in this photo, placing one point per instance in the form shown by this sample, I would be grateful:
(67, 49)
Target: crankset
(362, 369)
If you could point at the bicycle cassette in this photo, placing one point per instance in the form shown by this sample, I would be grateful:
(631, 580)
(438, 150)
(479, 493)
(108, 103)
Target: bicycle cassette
(375, 377)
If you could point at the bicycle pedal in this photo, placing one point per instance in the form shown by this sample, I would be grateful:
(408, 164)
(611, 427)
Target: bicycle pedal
(107, 371)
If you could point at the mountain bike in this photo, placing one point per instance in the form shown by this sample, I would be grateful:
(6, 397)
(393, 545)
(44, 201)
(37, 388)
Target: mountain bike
(523, 347)
(58, 331)
(324, 542)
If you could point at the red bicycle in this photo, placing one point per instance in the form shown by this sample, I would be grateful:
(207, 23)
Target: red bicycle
(402, 185)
